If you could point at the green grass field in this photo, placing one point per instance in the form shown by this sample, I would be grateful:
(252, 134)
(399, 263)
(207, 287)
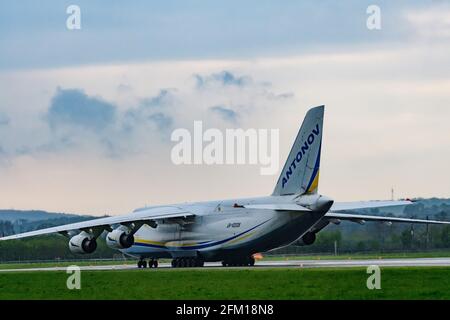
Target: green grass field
(64, 264)
(396, 255)
(280, 283)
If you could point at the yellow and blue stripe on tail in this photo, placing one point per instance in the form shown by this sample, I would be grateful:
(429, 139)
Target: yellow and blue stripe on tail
(300, 173)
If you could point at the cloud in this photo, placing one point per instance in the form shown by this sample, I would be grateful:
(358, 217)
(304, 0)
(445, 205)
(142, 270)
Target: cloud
(4, 160)
(162, 121)
(273, 96)
(399, 112)
(163, 98)
(72, 107)
(225, 113)
(151, 110)
(77, 120)
(433, 22)
(257, 31)
(109, 126)
(124, 88)
(4, 119)
(224, 78)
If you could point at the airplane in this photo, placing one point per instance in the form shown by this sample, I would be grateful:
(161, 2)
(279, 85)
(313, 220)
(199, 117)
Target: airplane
(231, 231)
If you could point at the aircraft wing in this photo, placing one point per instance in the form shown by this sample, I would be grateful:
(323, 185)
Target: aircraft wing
(339, 211)
(149, 215)
(361, 218)
(336, 207)
(345, 206)
(342, 211)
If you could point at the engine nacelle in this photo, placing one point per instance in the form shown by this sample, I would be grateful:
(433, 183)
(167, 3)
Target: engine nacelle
(119, 239)
(82, 243)
(306, 240)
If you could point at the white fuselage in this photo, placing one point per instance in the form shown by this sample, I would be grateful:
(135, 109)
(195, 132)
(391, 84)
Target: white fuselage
(221, 228)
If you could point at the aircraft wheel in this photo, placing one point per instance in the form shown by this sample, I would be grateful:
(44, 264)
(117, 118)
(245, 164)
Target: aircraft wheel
(155, 263)
(151, 263)
(144, 264)
(199, 262)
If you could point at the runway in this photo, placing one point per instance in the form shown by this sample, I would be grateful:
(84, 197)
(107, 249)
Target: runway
(412, 262)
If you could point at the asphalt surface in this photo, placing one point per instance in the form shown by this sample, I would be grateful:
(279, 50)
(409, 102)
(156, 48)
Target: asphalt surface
(411, 262)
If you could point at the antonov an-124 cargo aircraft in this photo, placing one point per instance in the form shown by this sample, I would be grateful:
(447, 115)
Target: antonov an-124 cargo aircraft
(231, 231)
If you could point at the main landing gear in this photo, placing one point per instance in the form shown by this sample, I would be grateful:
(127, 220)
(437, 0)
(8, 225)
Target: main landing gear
(152, 263)
(239, 262)
(186, 262)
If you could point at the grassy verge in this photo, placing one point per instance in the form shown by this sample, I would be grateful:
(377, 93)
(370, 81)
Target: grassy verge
(338, 283)
(63, 264)
(399, 255)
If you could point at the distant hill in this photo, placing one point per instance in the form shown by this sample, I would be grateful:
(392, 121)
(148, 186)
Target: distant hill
(430, 202)
(32, 215)
(17, 221)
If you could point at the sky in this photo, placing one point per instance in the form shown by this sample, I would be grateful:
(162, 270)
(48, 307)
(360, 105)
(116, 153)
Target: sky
(86, 115)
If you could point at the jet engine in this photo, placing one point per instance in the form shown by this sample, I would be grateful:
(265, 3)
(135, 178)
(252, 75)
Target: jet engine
(306, 240)
(119, 239)
(82, 243)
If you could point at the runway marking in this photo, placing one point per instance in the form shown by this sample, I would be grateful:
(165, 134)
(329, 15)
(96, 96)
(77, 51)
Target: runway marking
(414, 262)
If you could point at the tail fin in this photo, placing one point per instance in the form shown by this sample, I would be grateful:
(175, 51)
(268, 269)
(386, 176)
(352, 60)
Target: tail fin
(301, 172)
